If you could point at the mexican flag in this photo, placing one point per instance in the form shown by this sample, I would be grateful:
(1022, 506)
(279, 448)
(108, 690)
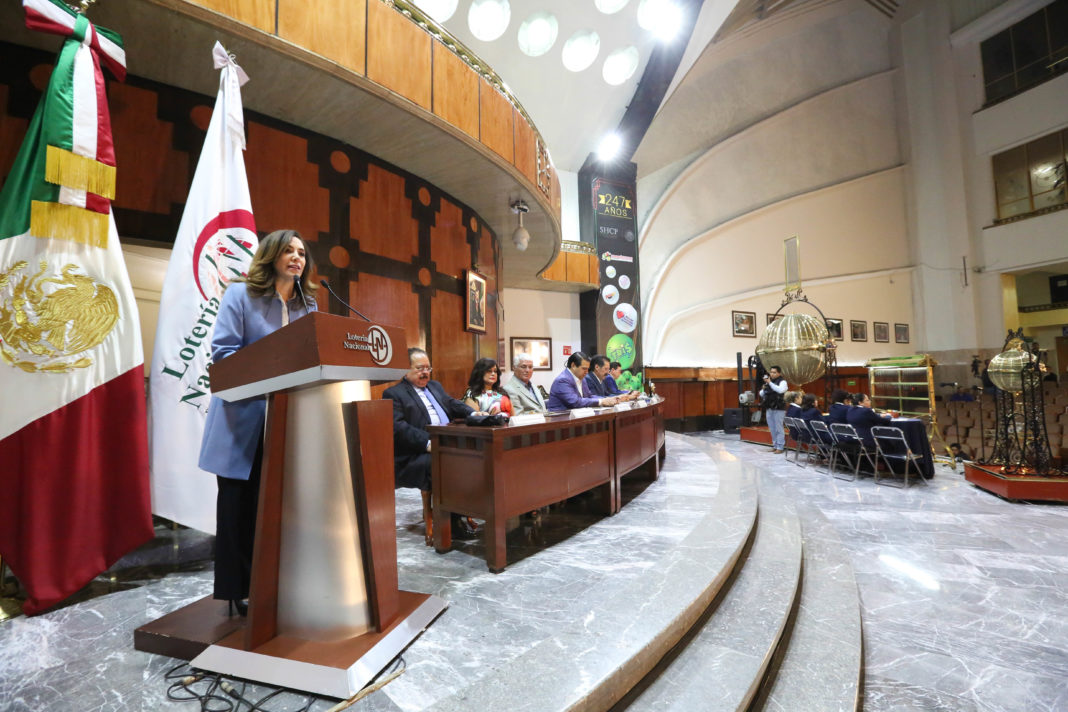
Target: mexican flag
(73, 442)
(215, 243)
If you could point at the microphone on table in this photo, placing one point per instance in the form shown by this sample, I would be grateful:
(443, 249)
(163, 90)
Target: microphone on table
(335, 296)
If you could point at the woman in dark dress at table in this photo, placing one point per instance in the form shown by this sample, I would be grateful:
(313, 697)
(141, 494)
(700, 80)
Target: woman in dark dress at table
(810, 408)
(792, 398)
(278, 289)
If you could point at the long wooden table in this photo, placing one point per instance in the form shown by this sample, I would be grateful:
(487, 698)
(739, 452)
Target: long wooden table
(501, 472)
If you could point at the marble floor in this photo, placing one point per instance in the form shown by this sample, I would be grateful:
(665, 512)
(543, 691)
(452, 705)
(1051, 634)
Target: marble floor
(963, 596)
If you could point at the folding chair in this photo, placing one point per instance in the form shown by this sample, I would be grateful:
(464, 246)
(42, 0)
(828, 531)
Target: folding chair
(851, 448)
(795, 435)
(890, 444)
(824, 442)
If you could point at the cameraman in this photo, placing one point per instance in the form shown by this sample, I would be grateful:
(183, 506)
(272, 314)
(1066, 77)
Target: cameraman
(771, 397)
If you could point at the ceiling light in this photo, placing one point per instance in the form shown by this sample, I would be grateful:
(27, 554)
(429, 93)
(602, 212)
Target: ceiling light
(620, 65)
(609, 7)
(661, 17)
(581, 49)
(488, 19)
(609, 147)
(520, 236)
(439, 10)
(538, 33)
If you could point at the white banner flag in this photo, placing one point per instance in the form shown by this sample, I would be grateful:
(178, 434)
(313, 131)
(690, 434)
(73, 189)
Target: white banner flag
(215, 243)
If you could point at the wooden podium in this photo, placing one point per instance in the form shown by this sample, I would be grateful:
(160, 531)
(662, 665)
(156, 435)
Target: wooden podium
(325, 613)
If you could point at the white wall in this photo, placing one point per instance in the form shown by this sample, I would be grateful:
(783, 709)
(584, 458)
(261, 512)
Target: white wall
(569, 209)
(529, 312)
(147, 267)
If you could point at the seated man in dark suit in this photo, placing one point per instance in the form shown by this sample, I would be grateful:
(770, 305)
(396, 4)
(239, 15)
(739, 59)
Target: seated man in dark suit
(568, 390)
(862, 418)
(597, 380)
(839, 407)
(419, 402)
(615, 370)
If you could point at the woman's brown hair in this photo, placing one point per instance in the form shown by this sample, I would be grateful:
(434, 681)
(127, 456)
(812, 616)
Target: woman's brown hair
(261, 272)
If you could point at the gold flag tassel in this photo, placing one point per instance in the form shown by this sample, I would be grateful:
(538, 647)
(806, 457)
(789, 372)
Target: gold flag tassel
(65, 168)
(68, 222)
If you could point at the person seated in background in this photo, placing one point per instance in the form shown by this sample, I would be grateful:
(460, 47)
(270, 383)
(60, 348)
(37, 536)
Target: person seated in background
(810, 409)
(482, 393)
(839, 408)
(791, 399)
(418, 403)
(959, 454)
(596, 381)
(962, 395)
(615, 370)
(568, 390)
(863, 418)
(525, 397)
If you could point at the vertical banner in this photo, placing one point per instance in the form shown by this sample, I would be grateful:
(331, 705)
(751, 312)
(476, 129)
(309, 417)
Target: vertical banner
(215, 243)
(619, 303)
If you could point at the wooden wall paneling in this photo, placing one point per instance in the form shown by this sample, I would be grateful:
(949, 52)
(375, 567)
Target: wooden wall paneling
(495, 121)
(151, 175)
(452, 347)
(12, 131)
(448, 241)
(558, 269)
(381, 217)
(398, 54)
(387, 301)
(283, 184)
(455, 90)
(487, 343)
(693, 399)
(577, 266)
(555, 190)
(671, 392)
(257, 13)
(718, 396)
(335, 29)
(526, 148)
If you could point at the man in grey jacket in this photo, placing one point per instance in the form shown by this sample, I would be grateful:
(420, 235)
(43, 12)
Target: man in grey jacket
(523, 394)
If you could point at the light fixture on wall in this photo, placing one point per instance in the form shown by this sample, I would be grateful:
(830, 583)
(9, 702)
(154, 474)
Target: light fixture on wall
(520, 236)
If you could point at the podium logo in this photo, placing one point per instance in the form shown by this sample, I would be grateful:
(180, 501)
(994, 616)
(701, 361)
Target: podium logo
(380, 347)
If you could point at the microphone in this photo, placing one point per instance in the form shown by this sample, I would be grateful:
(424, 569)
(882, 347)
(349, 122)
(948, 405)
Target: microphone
(296, 281)
(343, 302)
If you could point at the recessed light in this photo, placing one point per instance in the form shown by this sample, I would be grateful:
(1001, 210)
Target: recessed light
(538, 33)
(661, 17)
(610, 7)
(488, 19)
(581, 50)
(609, 147)
(439, 10)
(620, 65)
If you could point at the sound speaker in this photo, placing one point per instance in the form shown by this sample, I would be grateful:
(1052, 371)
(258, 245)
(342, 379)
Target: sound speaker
(1058, 288)
(732, 420)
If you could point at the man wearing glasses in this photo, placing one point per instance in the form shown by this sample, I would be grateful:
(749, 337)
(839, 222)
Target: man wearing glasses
(419, 402)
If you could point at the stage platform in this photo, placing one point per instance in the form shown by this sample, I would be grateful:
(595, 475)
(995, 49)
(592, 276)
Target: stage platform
(737, 580)
(1035, 488)
(760, 435)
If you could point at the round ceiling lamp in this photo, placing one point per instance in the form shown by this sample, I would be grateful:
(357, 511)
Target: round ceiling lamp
(620, 65)
(609, 147)
(538, 33)
(581, 50)
(661, 17)
(439, 10)
(610, 7)
(488, 19)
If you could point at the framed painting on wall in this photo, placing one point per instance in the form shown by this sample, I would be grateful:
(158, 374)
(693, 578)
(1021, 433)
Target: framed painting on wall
(476, 302)
(743, 323)
(881, 331)
(858, 330)
(901, 333)
(774, 317)
(539, 349)
(834, 328)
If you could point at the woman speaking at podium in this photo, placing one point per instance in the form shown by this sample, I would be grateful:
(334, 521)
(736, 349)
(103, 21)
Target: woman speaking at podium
(278, 289)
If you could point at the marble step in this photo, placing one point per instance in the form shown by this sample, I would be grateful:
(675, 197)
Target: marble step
(821, 664)
(722, 662)
(591, 662)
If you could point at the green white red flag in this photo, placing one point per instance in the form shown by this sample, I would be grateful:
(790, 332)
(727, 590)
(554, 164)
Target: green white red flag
(73, 440)
(215, 243)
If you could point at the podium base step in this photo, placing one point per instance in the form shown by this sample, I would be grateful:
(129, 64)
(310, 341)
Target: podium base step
(336, 669)
(186, 632)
